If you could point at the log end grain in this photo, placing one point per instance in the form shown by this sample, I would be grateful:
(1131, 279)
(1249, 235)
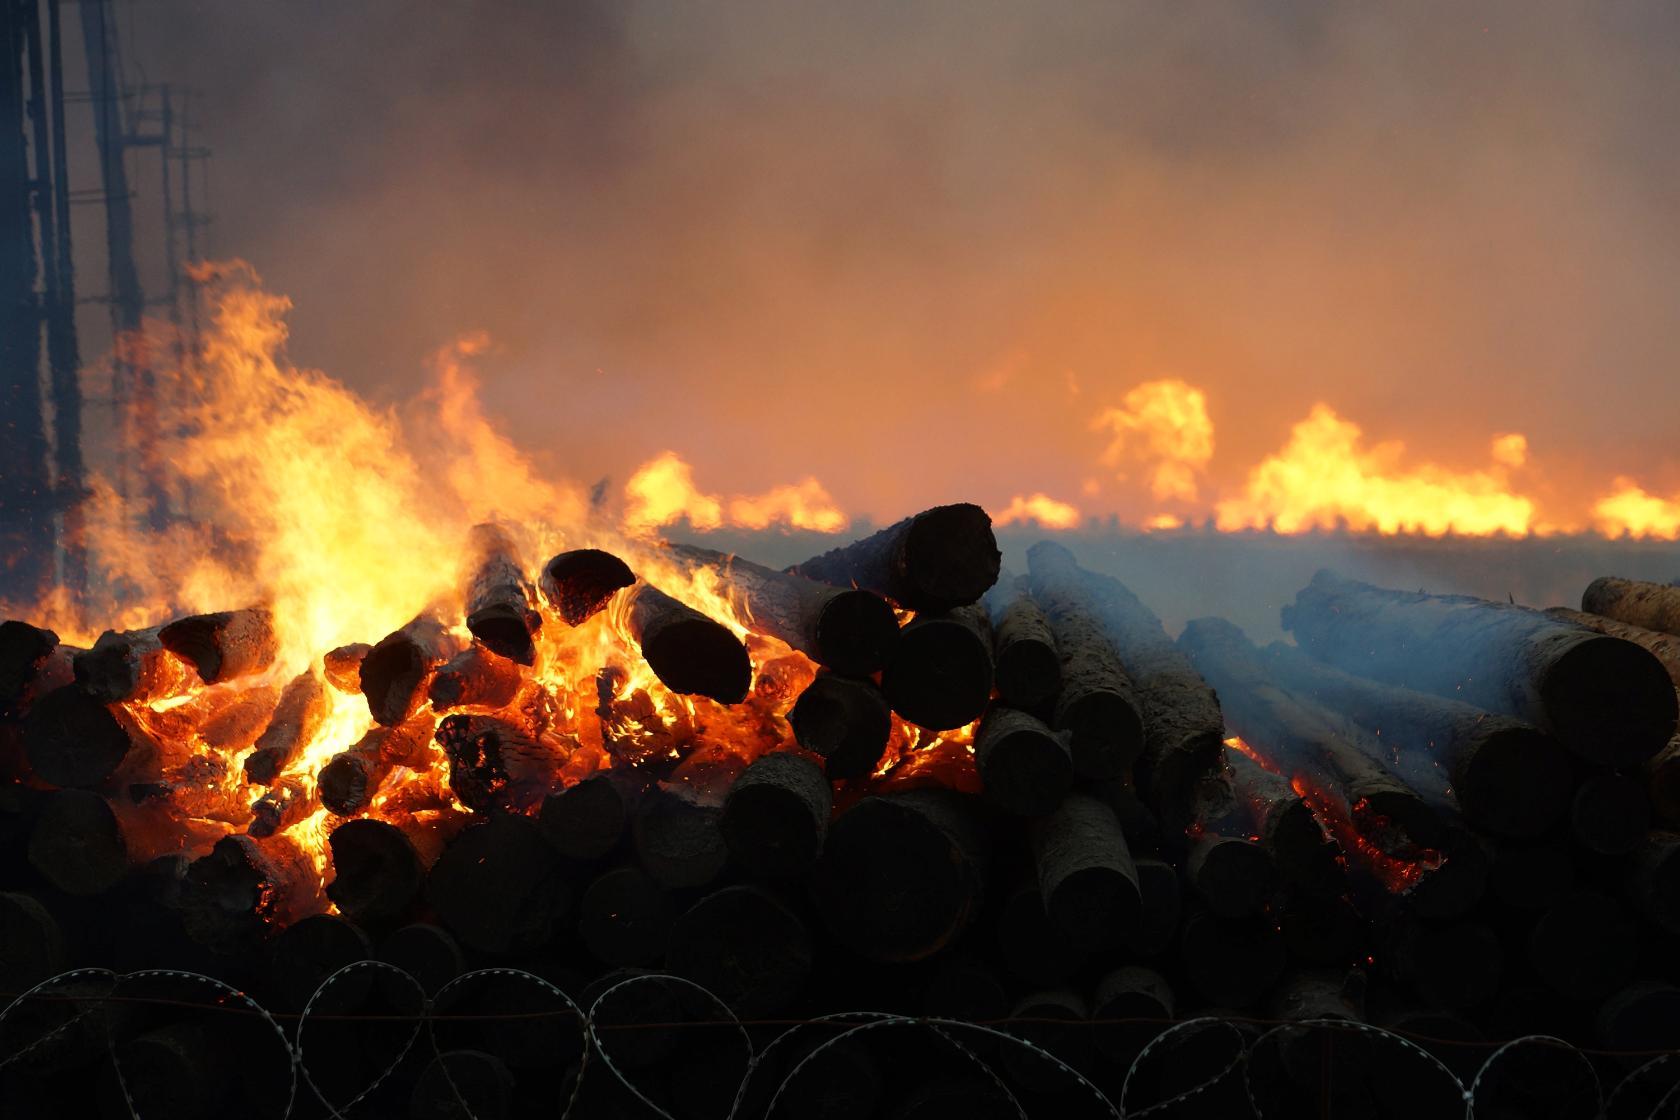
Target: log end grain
(578, 584)
(1610, 700)
(856, 632)
(845, 721)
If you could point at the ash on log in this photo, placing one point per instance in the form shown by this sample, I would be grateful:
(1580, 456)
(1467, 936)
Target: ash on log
(1300, 851)
(744, 947)
(495, 763)
(850, 630)
(940, 672)
(397, 672)
(676, 836)
(1652, 606)
(938, 559)
(1085, 872)
(77, 843)
(499, 886)
(1508, 777)
(303, 707)
(343, 666)
(1606, 699)
(902, 874)
(586, 821)
(845, 721)
(376, 872)
(350, 778)
(1025, 768)
(1097, 703)
(73, 740)
(1029, 668)
(775, 815)
(501, 604)
(475, 678)
(624, 918)
(1182, 770)
(580, 583)
(1273, 722)
(32, 663)
(225, 645)
(687, 651)
(130, 666)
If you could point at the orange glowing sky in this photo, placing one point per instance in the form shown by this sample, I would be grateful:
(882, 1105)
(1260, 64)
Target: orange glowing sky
(864, 258)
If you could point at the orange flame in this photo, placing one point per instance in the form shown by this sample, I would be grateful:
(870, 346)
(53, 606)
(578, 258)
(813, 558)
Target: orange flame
(1629, 511)
(1039, 509)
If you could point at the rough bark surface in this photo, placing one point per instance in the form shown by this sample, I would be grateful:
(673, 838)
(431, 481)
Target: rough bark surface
(941, 558)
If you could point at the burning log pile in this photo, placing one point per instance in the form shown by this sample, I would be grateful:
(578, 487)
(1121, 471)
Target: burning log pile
(892, 777)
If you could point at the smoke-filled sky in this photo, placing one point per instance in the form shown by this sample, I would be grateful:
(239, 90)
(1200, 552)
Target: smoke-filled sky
(915, 249)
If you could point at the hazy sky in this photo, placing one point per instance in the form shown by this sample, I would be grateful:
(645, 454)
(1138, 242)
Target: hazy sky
(912, 248)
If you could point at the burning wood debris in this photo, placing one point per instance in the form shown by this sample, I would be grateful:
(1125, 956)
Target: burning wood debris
(889, 755)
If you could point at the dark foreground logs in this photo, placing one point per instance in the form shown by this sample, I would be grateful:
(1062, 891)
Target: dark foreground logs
(77, 844)
(499, 885)
(501, 604)
(1610, 813)
(676, 836)
(1605, 699)
(1025, 768)
(397, 672)
(588, 820)
(1029, 670)
(25, 655)
(1097, 704)
(1284, 825)
(1653, 606)
(624, 917)
(941, 558)
(845, 721)
(902, 874)
(776, 815)
(940, 672)
(1085, 872)
(848, 629)
(225, 645)
(744, 947)
(1232, 875)
(243, 892)
(303, 707)
(1231, 962)
(1509, 778)
(376, 872)
(73, 740)
(687, 651)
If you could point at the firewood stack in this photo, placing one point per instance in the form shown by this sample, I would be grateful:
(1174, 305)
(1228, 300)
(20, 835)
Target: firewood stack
(914, 784)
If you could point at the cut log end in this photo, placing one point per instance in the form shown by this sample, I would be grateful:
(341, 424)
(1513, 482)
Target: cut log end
(687, 651)
(578, 584)
(856, 632)
(940, 674)
(224, 645)
(505, 630)
(1025, 768)
(951, 557)
(1516, 783)
(1610, 700)
(845, 721)
(72, 740)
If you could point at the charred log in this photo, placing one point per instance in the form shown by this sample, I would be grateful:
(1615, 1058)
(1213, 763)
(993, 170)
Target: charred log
(851, 631)
(1085, 872)
(397, 672)
(1605, 699)
(624, 918)
(499, 886)
(343, 666)
(1029, 668)
(225, 645)
(475, 678)
(902, 874)
(350, 778)
(939, 559)
(1025, 768)
(746, 948)
(845, 721)
(376, 872)
(1098, 703)
(130, 666)
(676, 836)
(587, 821)
(77, 843)
(243, 892)
(687, 651)
(73, 740)
(495, 763)
(303, 707)
(501, 604)
(32, 663)
(234, 721)
(1284, 825)
(776, 815)
(580, 583)
(940, 672)
(286, 802)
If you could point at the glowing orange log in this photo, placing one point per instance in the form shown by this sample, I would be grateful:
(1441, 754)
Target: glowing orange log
(343, 666)
(1606, 699)
(302, 709)
(501, 604)
(283, 804)
(475, 678)
(938, 559)
(850, 630)
(1283, 824)
(496, 763)
(397, 671)
(687, 651)
(244, 892)
(131, 666)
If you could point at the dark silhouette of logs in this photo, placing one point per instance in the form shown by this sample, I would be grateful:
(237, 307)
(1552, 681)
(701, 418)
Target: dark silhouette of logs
(1447, 965)
(676, 836)
(588, 820)
(1033, 948)
(845, 721)
(235, 720)
(902, 874)
(687, 651)
(77, 843)
(1606, 699)
(1583, 945)
(397, 671)
(349, 780)
(475, 678)
(377, 874)
(579, 584)
(424, 951)
(181, 1069)
(460, 1083)
(624, 917)
(307, 952)
(1284, 825)
(303, 707)
(1231, 962)
(1611, 813)
(496, 763)
(1025, 768)
(1232, 874)
(775, 815)
(500, 602)
(1029, 668)
(848, 629)
(1319, 929)
(1053, 1022)
(243, 892)
(1085, 872)
(1652, 606)
(130, 665)
(499, 886)
(941, 558)
(32, 663)
(1642, 1017)
(73, 740)
(1508, 777)
(1097, 704)
(225, 645)
(31, 943)
(744, 947)
(1654, 879)
(1531, 876)
(342, 666)
(1162, 904)
(1140, 995)
(940, 673)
